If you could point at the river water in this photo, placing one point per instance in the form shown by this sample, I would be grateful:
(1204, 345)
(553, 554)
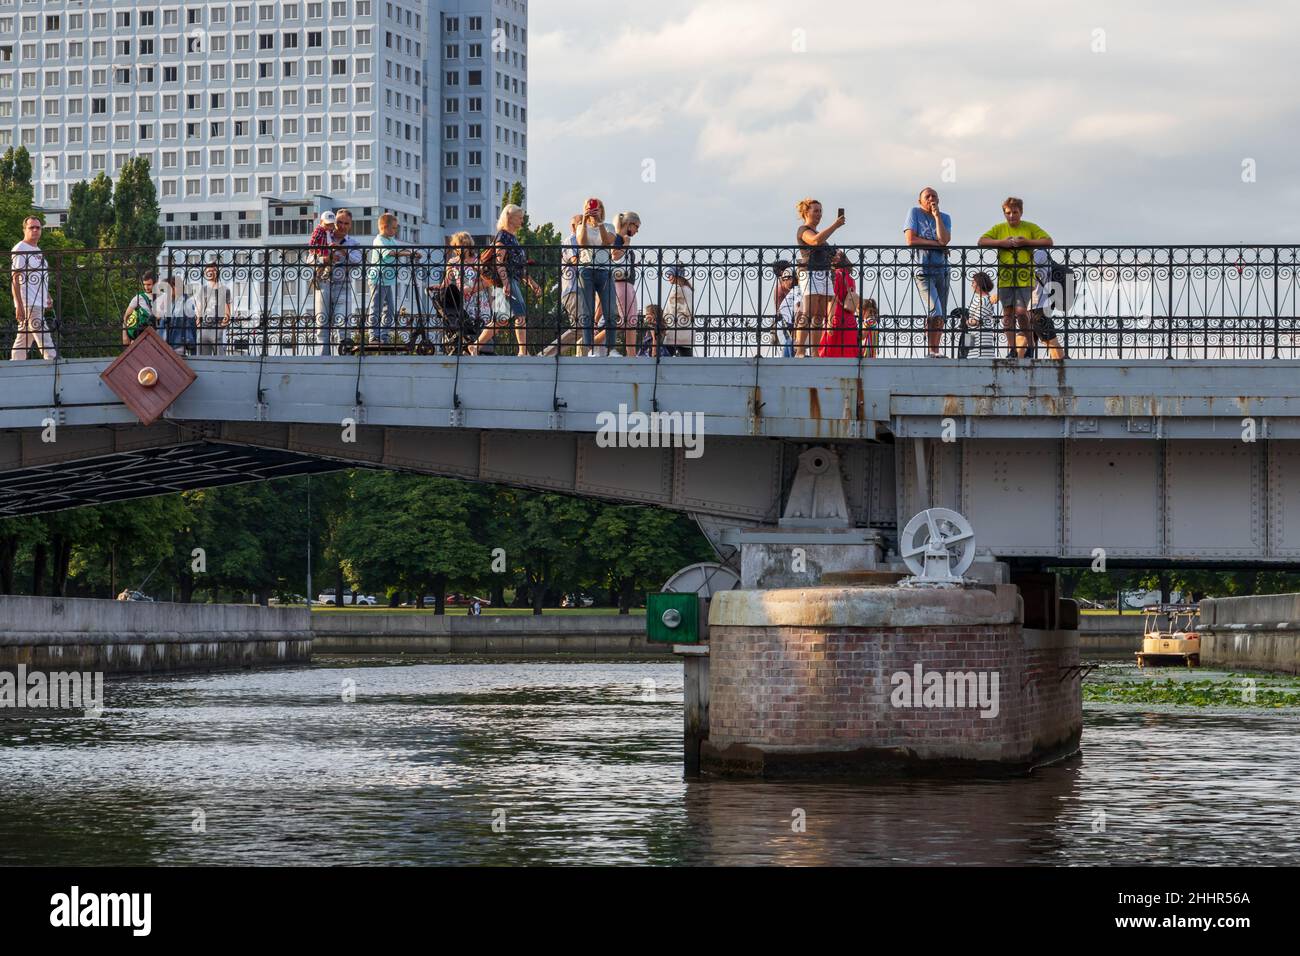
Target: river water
(562, 763)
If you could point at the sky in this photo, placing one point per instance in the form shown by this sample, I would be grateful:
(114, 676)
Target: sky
(1146, 121)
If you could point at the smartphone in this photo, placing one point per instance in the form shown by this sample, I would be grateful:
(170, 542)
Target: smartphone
(841, 212)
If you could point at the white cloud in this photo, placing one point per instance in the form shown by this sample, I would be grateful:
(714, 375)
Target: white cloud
(884, 95)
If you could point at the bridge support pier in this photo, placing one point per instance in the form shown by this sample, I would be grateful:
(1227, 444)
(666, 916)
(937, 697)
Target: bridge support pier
(868, 680)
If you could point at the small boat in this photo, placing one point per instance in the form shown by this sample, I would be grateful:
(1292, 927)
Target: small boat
(1180, 643)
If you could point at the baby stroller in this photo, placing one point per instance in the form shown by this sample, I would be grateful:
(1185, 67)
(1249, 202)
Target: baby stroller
(459, 328)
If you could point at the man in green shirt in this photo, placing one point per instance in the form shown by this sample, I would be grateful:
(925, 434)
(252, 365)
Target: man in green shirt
(1016, 239)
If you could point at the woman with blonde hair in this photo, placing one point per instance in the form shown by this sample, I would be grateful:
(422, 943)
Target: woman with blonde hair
(512, 265)
(462, 274)
(626, 226)
(814, 273)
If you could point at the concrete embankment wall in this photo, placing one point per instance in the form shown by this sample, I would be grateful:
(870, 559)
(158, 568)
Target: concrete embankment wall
(377, 632)
(62, 634)
(1106, 635)
(1261, 632)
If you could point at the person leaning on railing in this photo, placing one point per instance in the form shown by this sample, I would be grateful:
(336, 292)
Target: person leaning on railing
(383, 278)
(814, 273)
(30, 286)
(1015, 238)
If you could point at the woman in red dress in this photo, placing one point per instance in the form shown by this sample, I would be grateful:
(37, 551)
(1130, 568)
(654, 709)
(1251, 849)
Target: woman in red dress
(839, 338)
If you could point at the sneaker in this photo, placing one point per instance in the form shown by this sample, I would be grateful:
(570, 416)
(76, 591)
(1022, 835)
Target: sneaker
(615, 353)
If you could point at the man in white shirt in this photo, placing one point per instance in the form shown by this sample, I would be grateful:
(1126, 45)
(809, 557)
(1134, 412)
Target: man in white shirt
(343, 300)
(213, 310)
(31, 293)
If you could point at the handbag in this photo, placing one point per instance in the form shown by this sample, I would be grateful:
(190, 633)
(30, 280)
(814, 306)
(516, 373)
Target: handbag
(852, 302)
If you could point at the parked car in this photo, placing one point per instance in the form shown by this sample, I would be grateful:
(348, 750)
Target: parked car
(1139, 599)
(349, 597)
(465, 600)
(577, 600)
(429, 601)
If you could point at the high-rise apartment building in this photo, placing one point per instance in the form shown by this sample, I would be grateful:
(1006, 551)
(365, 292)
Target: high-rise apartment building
(255, 116)
(484, 110)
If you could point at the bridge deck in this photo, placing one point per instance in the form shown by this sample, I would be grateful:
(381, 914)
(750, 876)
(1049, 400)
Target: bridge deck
(799, 399)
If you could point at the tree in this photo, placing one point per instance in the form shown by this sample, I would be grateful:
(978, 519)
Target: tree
(410, 532)
(91, 213)
(638, 548)
(16, 170)
(15, 195)
(545, 535)
(135, 209)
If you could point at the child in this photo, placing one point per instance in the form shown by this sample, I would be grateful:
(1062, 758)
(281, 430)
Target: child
(983, 333)
(870, 327)
(650, 345)
(678, 313)
(1041, 305)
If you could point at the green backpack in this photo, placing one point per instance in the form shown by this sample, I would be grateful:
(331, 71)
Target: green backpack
(139, 319)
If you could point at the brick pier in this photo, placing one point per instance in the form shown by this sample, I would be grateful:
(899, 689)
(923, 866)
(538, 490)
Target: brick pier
(848, 680)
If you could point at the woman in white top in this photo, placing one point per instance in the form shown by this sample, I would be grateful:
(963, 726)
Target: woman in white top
(595, 275)
(814, 274)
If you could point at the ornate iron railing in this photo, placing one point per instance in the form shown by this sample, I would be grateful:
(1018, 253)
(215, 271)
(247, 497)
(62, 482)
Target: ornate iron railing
(1104, 302)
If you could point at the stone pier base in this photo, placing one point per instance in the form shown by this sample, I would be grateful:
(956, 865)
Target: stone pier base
(853, 680)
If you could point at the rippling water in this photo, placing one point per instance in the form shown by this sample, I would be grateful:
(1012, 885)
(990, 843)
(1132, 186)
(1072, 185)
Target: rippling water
(581, 763)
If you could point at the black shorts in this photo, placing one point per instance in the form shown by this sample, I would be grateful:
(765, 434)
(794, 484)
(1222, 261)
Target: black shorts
(1042, 325)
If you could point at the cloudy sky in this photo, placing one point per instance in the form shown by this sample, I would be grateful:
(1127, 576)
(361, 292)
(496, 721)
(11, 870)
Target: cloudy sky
(1117, 122)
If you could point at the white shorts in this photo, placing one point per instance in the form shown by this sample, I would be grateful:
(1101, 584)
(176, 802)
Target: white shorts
(814, 283)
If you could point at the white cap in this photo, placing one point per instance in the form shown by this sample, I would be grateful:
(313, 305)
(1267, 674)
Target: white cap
(327, 217)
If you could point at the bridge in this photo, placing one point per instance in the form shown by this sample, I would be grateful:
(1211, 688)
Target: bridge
(1152, 461)
(1161, 439)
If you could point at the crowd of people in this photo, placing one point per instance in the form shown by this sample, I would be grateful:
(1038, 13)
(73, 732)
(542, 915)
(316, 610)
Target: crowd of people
(816, 310)
(820, 312)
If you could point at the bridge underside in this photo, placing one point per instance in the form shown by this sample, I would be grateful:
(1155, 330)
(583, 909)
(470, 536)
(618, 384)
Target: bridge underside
(1140, 501)
(740, 482)
(1150, 463)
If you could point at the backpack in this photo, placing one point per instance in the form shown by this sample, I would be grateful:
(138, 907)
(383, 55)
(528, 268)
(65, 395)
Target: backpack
(139, 319)
(1061, 278)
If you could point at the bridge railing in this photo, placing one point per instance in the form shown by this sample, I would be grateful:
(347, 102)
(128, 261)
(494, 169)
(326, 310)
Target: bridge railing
(1103, 302)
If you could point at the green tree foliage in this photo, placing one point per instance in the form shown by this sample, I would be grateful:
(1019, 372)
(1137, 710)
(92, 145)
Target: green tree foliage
(136, 213)
(378, 531)
(408, 533)
(91, 213)
(638, 548)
